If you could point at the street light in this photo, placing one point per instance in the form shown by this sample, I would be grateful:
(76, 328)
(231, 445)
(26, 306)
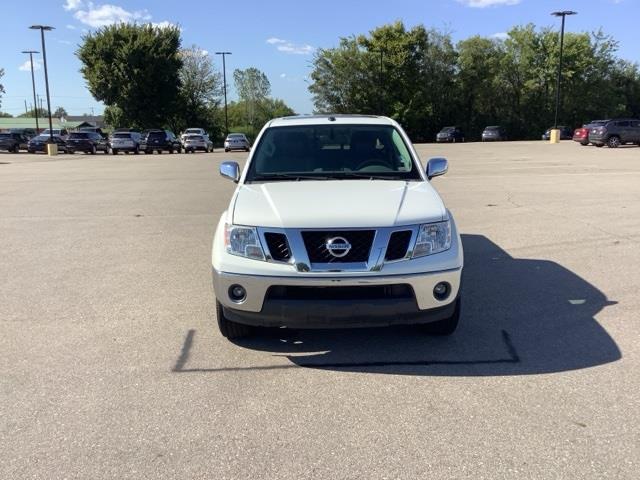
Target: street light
(562, 14)
(33, 82)
(380, 103)
(42, 29)
(224, 79)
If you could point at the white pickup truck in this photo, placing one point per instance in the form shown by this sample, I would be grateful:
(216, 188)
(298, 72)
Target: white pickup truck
(334, 223)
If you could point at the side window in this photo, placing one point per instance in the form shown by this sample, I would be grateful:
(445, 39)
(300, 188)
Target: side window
(404, 157)
(622, 124)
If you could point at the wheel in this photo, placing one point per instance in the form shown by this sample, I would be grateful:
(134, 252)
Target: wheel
(126, 152)
(599, 145)
(226, 150)
(159, 152)
(137, 150)
(148, 152)
(446, 326)
(230, 329)
(70, 152)
(93, 150)
(114, 151)
(584, 144)
(16, 149)
(613, 142)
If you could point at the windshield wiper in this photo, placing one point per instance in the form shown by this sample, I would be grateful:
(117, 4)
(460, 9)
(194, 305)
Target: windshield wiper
(367, 176)
(288, 176)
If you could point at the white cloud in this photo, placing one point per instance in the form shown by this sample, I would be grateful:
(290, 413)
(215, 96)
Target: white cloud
(26, 66)
(283, 75)
(73, 4)
(164, 24)
(204, 53)
(97, 16)
(500, 35)
(71, 27)
(488, 3)
(290, 47)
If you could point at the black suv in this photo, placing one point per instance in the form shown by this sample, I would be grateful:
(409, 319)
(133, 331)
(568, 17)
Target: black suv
(614, 133)
(87, 142)
(450, 134)
(159, 141)
(13, 142)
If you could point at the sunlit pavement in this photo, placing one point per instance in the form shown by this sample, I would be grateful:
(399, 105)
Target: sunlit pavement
(112, 366)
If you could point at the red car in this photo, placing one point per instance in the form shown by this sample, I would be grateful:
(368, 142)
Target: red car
(581, 135)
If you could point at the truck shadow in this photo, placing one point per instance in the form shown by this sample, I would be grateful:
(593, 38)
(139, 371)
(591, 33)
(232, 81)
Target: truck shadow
(520, 316)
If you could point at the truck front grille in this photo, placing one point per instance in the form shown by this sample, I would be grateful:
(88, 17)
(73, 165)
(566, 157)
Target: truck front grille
(398, 245)
(315, 242)
(278, 246)
(353, 293)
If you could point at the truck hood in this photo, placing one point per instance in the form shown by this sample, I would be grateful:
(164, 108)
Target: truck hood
(337, 204)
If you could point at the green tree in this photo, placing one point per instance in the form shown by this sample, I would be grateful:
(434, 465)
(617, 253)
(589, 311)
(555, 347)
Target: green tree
(200, 91)
(5, 115)
(1, 86)
(39, 112)
(416, 87)
(253, 88)
(134, 70)
(60, 112)
(267, 109)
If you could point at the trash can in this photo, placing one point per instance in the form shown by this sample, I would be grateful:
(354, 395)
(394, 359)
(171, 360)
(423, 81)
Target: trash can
(554, 135)
(52, 149)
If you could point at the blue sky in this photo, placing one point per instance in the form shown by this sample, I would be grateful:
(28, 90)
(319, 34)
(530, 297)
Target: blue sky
(276, 36)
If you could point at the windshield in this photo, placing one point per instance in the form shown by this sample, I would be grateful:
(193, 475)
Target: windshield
(194, 137)
(78, 135)
(121, 135)
(156, 135)
(192, 130)
(448, 129)
(235, 136)
(332, 152)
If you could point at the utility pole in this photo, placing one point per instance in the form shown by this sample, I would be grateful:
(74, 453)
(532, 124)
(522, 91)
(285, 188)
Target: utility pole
(33, 83)
(380, 81)
(224, 79)
(42, 29)
(562, 14)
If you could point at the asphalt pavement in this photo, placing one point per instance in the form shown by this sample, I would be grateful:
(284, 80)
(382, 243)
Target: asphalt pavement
(112, 366)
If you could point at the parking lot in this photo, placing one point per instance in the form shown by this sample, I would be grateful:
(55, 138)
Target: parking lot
(112, 366)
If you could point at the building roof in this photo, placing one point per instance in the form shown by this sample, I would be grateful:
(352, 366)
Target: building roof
(26, 122)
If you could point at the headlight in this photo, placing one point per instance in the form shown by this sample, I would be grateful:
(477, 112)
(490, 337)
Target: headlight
(243, 241)
(433, 238)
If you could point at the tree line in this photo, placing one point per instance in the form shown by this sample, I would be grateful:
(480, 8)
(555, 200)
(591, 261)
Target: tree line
(146, 79)
(419, 77)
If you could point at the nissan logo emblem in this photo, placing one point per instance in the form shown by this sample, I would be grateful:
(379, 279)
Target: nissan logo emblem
(338, 246)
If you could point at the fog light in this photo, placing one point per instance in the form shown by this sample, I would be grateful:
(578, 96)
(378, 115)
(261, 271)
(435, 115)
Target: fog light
(441, 290)
(237, 293)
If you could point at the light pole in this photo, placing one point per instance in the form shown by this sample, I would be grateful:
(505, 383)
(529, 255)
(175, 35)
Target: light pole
(380, 102)
(562, 14)
(224, 79)
(33, 82)
(42, 29)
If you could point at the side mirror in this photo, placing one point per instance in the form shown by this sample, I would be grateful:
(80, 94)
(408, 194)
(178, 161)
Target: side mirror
(230, 170)
(437, 166)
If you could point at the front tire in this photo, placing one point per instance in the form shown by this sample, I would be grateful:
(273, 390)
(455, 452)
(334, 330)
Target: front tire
(613, 142)
(230, 329)
(447, 326)
(93, 150)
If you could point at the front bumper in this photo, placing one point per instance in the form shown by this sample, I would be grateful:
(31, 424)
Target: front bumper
(262, 309)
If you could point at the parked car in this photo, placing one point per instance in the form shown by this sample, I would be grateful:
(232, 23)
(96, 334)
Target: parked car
(60, 132)
(616, 132)
(87, 142)
(39, 143)
(565, 133)
(236, 141)
(94, 130)
(450, 134)
(192, 131)
(160, 141)
(125, 141)
(494, 133)
(193, 143)
(581, 134)
(295, 248)
(13, 142)
(28, 133)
